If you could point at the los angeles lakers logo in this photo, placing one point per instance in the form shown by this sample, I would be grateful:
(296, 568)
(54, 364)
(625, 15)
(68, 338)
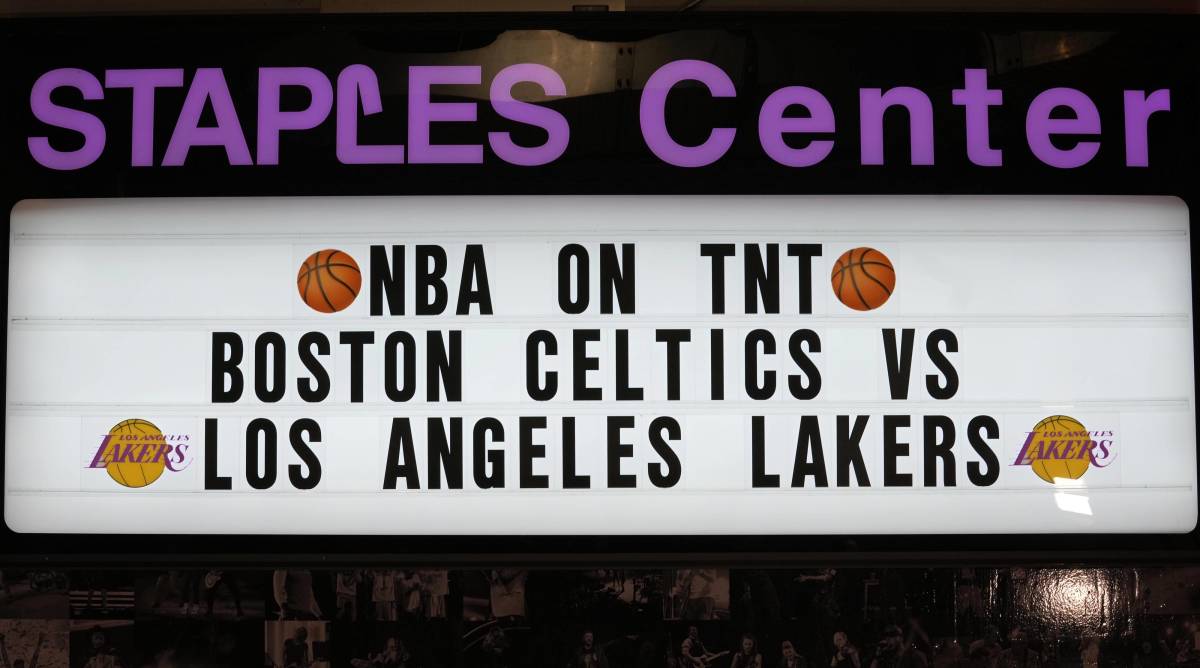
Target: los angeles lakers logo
(135, 453)
(1060, 448)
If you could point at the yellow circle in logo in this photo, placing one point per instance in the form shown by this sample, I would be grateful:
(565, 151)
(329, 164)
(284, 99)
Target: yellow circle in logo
(1068, 439)
(132, 451)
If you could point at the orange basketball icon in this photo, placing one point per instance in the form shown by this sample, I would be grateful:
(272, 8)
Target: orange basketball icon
(329, 280)
(863, 278)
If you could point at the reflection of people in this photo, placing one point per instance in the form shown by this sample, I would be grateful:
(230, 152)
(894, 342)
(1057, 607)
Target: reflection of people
(845, 655)
(790, 658)
(20, 663)
(408, 592)
(435, 586)
(588, 655)
(96, 585)
(103, 656)
(1089, 657)
(495, 646)
(165, 658)
(816, 593)
(969, 599)
(1018, 654)
(1148, 656)
(507, 592)
(694, 590)
(693, 653)
(394, 655)
(748, 656)
(295, 650)
(894, 652)
(383, 595)
(164, 584)
(213, 580)
(986, 650)
(950, 654)
(294, 595)
(346, 588)
(191, 593)
(608, 581)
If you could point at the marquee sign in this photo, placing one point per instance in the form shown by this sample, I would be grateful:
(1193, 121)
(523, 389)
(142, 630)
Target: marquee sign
(1055, 117)
(601, 365)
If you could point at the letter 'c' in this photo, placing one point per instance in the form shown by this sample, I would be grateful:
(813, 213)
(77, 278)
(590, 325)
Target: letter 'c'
(654, 105)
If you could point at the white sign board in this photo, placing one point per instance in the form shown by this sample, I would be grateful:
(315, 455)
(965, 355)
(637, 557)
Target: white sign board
(600, 365)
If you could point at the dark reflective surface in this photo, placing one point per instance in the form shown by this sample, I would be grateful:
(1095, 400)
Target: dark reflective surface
(886, 617)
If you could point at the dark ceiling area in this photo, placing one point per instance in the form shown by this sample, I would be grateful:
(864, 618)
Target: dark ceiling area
(34, 8)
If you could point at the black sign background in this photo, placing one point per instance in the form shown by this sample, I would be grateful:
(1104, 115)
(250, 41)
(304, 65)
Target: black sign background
(836, 54)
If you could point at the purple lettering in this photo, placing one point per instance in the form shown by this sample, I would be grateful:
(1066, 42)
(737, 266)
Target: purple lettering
(772, 125)
(272, 120)
(653, 107)
(872, 105)
(1138, 108)
(160, 454)
(1085, 451)
(1106, 455)
(557, 131)
(975, 97)
(208, 85)
(123, 453)
(98, 461)
(1062, 125)
(1023, 456)
(46, 111)
(1039, 126)
(358, 82)
(143, 83)
(422, 112)
(180, 458)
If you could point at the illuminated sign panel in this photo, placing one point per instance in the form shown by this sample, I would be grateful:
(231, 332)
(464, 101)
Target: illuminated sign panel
(601, 365)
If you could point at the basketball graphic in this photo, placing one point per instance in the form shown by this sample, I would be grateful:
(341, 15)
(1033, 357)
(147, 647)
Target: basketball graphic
(1060, 430)
(863, 278)
(329, 280)
(139, 434)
